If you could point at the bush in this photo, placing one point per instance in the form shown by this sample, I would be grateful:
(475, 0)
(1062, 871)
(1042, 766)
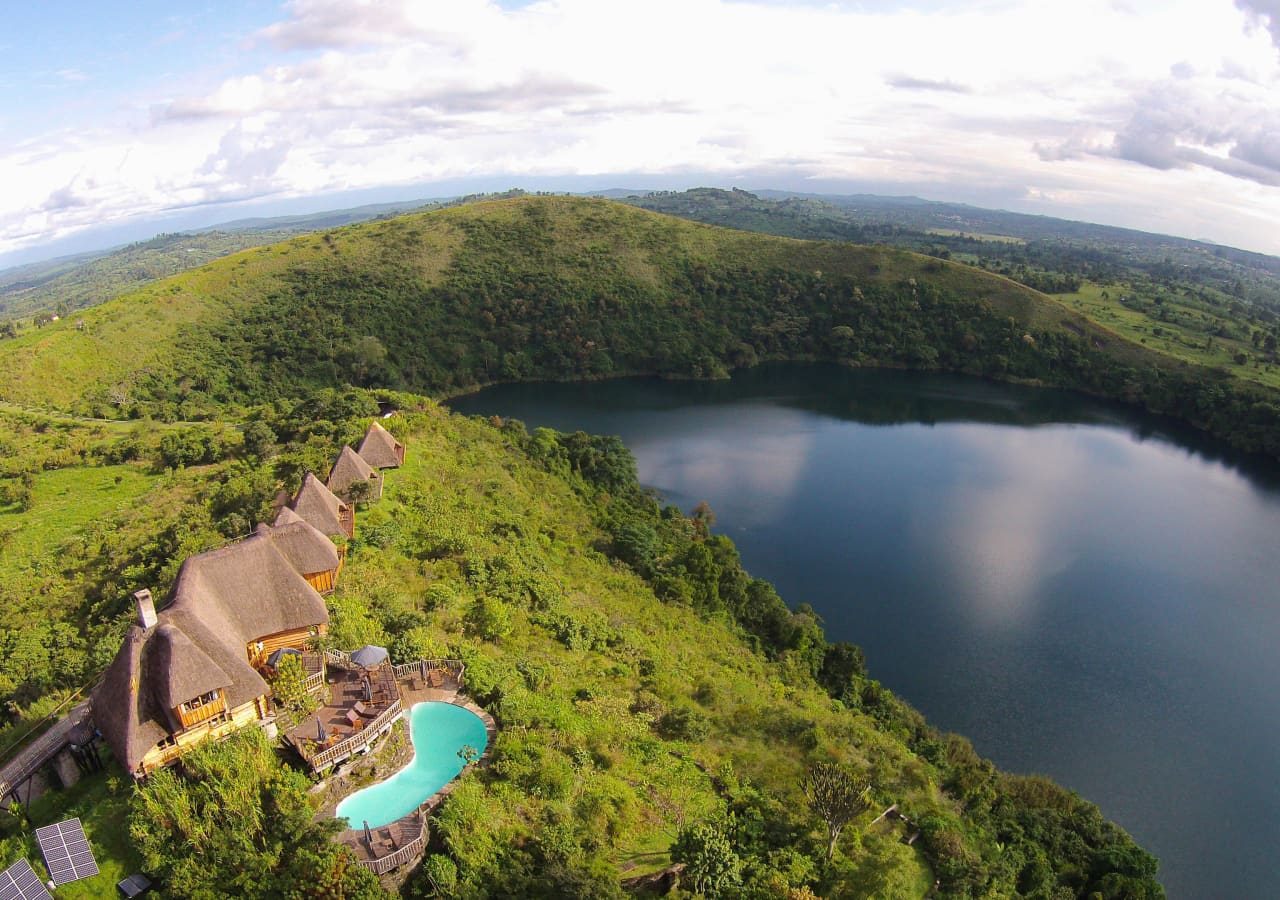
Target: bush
(684, 723)
(490, 619)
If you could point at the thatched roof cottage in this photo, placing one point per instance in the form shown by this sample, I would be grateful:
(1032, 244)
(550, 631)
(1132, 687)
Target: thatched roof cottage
(349, 470)
(190, 672)
(323, 510)
(380, 449)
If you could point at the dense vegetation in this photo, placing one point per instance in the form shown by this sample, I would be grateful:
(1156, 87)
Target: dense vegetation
(575, 288)
(1201, 303)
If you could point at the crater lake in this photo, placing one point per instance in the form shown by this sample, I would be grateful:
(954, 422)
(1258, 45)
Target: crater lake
(1082, 590)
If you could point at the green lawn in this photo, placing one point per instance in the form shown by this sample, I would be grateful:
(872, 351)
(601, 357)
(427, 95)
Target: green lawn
(65, 500)
(1183, 332)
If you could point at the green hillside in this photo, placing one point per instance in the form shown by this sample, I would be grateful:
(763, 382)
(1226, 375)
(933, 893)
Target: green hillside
(554, 287)
(655, 703)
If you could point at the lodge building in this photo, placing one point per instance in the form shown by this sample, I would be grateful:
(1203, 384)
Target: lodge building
(195, 670)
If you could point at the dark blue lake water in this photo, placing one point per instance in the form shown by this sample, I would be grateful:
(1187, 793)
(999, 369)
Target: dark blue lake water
(1083, 591)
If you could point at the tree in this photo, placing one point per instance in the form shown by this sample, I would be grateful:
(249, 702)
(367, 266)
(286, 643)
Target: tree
(359, 492)
(289, 685)
(838, 796)
(489, 618)
(239, 824)
(258, 439)
(368, 359)
(842, 664)
(710, 862)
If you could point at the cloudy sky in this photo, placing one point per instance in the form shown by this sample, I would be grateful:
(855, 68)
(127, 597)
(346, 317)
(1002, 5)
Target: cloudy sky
(117, 123)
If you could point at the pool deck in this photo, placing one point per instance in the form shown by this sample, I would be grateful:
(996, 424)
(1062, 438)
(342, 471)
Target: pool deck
(404, 840)
(346, 689)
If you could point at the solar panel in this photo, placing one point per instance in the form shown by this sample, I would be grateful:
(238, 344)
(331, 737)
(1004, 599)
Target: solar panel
(66, 851)
(19, 882)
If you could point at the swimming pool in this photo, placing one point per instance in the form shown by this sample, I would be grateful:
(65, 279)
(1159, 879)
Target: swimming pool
(438, 731)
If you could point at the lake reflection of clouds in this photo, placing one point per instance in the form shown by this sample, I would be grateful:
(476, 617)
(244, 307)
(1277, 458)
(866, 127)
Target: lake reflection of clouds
(998, 528)
(755, 453)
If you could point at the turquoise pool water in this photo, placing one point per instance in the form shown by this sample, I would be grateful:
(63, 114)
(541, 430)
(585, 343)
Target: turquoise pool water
(438, 732)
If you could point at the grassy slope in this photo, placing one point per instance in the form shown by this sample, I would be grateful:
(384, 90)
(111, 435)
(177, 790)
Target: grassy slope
(64, 501)
(1174, 327)
(121, 341)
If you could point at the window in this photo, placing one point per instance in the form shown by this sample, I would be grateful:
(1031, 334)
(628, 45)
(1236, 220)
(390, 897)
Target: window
(202, 700)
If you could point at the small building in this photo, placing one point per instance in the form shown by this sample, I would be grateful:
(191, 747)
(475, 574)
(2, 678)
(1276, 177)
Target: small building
(323, 510)
(311, 553)
(192, 672)
(350, 469)
(380, 449)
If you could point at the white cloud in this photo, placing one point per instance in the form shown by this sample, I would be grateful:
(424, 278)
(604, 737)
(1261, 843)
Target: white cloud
(1144, 114)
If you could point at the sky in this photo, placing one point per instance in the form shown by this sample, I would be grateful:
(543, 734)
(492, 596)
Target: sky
(120, 120)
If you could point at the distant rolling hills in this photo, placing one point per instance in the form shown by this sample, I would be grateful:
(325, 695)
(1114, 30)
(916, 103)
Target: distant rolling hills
(560, 287)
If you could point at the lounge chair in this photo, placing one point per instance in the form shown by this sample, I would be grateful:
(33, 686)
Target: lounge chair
(353, 718)
(365, 711)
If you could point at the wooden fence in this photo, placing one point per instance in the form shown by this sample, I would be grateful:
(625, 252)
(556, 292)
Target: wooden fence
(454, 667)
(358, 741)
(410, 851)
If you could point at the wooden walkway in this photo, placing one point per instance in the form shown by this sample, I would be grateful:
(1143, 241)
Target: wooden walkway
(19, 770)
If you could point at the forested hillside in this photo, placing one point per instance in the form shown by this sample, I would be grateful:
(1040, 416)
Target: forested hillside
(1202, 303)
(655, 703)
(545, 287)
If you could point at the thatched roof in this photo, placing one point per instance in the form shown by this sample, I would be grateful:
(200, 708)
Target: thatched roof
(179, 669)
(307, 550)
(320, 507)
(126, 712)
(250, 588)
(222, 601)
(350, 468)
(379, 448)
(286, 516)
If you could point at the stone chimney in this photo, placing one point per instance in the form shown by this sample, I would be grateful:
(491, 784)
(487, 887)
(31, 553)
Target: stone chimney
(146, 609)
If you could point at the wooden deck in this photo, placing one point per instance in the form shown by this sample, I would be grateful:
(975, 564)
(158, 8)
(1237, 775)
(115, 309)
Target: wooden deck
(346, 689)
(392, 846)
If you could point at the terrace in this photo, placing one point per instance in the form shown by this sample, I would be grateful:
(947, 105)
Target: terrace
(361, 706)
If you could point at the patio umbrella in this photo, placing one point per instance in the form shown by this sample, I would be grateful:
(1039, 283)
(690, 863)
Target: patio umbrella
(369, 656)
(276, 655)
(320, 735)
(368, 835)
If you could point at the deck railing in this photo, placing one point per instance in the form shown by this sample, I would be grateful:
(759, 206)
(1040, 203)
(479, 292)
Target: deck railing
(409, 851)
(358, 741)
(454, 667)
(341, 657)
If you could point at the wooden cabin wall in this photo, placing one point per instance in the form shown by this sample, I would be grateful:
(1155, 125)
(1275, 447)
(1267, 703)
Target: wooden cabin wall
(324, 582)
(245, 714)
(298, 638)
(192, 718)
